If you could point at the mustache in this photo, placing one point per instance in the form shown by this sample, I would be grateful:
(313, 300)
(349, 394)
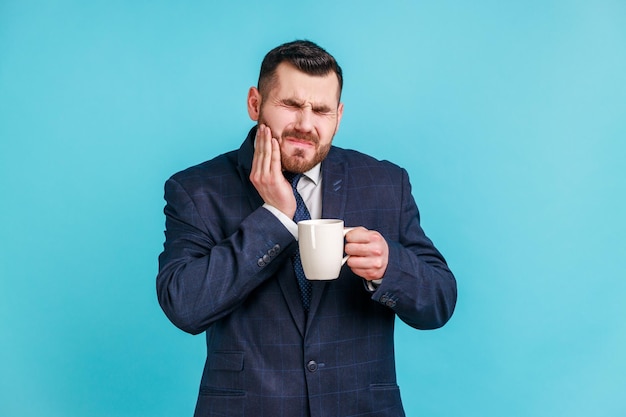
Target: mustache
(310, 137)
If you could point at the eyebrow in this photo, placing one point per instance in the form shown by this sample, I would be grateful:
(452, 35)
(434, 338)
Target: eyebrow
(292, 102)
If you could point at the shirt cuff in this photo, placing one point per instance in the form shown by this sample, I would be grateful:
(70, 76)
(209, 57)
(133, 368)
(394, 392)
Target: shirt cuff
(282, 217)
(372, 285)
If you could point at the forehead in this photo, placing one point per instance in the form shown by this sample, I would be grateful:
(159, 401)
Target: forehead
(290, 82)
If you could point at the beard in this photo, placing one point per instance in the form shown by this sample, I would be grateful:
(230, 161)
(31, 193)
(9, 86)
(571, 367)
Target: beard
(296, 162)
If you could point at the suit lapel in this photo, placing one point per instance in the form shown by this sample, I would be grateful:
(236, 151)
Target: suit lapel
(291, 293)
(334, 194)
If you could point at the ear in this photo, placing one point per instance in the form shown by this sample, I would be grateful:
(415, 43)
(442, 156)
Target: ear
(339, 115)
(254, 103)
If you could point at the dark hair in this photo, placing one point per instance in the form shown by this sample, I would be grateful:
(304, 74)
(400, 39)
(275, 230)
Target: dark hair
(305, 55)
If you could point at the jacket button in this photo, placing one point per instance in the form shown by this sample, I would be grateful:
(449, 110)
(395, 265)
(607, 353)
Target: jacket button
(266, 258)
(311, 366)
(260, 262)
(390, 303)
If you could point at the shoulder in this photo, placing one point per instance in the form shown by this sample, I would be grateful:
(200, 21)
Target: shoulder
(206, 183)
(232, 163)
(218, 167)
(360, 164)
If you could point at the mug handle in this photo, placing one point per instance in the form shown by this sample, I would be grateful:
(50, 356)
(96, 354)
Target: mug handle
(345, 231)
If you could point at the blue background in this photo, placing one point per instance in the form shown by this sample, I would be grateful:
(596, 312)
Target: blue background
(509, 116)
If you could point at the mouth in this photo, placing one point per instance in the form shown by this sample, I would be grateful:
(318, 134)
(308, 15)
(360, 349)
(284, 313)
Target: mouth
(299, 141)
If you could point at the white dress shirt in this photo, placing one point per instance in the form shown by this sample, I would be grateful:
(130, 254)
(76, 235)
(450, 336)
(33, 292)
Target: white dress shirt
(309, 188)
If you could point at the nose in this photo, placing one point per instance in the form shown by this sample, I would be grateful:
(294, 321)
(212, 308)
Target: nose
(304, 122)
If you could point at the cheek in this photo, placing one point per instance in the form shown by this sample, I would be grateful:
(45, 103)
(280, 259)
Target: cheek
(277, 122)
(326, 132)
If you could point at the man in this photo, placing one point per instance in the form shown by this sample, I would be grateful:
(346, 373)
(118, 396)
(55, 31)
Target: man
(227, 268)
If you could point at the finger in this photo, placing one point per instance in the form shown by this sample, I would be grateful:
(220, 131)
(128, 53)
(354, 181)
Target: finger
(367, 273)
(365, 250)
(368, 244)
(267, 151)
(358, 235)
(258, 146)
(275, 162)
(260, 135)
(367, 267)
(366, 262)
(261, 154)
(356, 250)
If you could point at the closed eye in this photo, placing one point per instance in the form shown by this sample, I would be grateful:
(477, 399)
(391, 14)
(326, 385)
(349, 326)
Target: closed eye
(322, 110)
(317, 109)
(292, 103)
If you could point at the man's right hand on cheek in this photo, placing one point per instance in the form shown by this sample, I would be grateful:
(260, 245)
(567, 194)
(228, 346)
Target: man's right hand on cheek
(267, 173)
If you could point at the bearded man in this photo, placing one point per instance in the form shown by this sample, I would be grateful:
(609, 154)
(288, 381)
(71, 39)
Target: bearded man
(278, 345)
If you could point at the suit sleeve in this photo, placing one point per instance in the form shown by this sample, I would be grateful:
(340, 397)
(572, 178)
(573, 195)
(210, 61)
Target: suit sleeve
(417, 285)
(203, 276)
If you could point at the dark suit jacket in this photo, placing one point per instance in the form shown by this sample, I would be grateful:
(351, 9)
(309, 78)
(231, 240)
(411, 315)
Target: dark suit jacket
(226, 270)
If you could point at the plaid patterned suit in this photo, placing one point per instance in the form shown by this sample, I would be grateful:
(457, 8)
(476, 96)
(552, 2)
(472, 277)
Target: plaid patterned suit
(226, 270)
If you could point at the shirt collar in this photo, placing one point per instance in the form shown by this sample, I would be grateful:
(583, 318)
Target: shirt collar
(314, 173)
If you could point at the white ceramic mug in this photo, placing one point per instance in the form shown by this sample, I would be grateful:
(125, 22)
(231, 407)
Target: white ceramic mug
(321, 247)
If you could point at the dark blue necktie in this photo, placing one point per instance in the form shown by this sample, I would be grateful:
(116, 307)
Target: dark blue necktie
(302, 213)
